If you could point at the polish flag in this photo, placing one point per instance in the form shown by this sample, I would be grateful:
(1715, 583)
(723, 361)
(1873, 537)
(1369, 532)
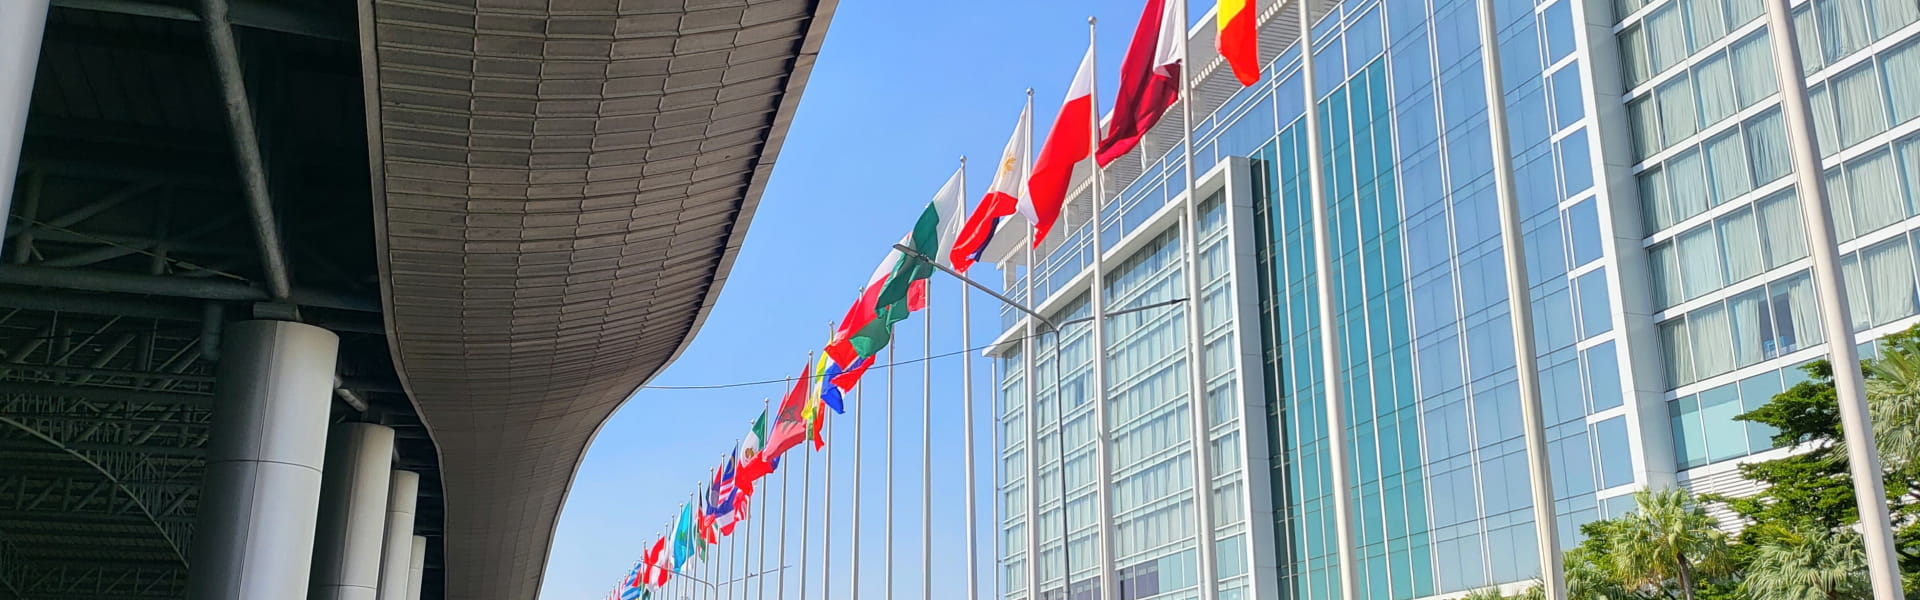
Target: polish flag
(1069, 142)
(1149, 79)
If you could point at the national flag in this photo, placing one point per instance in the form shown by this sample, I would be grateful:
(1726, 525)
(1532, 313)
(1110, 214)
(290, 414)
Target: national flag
(932, 236)
(749, 468)
(653, 570)
(720, 493)
(1149, 79)
(853, 339)
(1002, 199)
(683, 536)
(736, 512)
(1238, 39)
(1069, 142)
(849, 377)
(789, 424)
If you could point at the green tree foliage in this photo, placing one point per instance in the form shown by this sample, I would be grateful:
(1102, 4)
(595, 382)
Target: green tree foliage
(1810, 563)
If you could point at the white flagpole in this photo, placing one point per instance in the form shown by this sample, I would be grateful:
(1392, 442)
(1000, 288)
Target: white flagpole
(966, 424)
(853, 560)
(733, 550)
(887, 548)
(826, 513)
(1202, 433)
(1520, 311)
(1027, 348)
(1863, 461)
(1340, 452)
(806, 504)
(760, 568)
(780, 561)
(1106, 585)
(926, 443)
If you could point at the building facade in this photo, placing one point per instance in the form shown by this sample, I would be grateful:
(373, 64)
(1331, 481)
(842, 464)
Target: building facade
(1669, 272)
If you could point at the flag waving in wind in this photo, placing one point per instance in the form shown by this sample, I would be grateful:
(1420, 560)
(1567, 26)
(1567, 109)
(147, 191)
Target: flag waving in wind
(1239, 40)
(1069, 142)
(1149, 79)
(933, 236)
(1002, 199)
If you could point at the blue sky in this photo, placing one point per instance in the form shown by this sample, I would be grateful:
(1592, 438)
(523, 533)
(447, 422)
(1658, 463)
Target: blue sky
(902, 90)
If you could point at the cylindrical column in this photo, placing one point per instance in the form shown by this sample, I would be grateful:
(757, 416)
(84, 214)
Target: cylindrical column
(254, 534)
(1836, 320)
(21, 23)
(416, 566)
(403, 494)
(353, 513)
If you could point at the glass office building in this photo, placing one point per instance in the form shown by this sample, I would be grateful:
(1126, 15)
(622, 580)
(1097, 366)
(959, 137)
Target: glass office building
(1670, 290)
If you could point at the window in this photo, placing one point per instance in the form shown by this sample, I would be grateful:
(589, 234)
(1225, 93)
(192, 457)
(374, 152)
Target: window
(1739, 238)
(1688, 185)
(1567, 107)
(1633, 47)
(1741, 11)
(1902, 87)
(1616, 455)
(1646, 127)
(1718, 96)
(1705, 19)
(1596, 312)
(1811, 58)
(1677, 118)
(1843, 27)
(1676, 352)
(1653, 199)
(1727, 165)
(1709, 328)
(1667, 287)
(1583, 225)
(1725, 437)
(1889, 282)
(1891, 16)
(1874, 196)
(1689, 437)
(1667, 27)
(1826, 130)
(1576, 168)
(1753, 68)
(1859, 105)
(1603, 376)
(1558, 26)
(1699, 258)
(1767, 147)
(1795, 318)
(1781, 228)
(1752, 327)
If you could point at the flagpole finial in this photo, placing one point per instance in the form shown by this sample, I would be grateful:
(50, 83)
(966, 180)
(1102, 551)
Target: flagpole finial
(1090, 19)
(1029, 92)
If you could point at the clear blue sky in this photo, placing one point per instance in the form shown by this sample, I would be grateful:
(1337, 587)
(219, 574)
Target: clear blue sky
(901, 91)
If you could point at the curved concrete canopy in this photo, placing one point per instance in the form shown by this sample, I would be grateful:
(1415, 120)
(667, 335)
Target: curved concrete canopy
(560, 189)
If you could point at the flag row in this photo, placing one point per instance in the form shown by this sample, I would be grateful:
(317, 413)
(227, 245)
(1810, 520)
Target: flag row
(1035, 189)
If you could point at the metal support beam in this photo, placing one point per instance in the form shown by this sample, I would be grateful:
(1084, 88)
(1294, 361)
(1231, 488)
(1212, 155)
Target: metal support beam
(179, 287)
(269, 16)
(246, 146)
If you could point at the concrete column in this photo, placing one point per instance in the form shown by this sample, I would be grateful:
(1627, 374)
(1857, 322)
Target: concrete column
(416, 567)
(353, 513)
(254, 534)
(21, 24)
(403, 492)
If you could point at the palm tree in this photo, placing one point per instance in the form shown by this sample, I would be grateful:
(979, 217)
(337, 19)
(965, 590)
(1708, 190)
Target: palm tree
(1893, 396)
(1668, 540)
(1588, 578)
(1809, 563)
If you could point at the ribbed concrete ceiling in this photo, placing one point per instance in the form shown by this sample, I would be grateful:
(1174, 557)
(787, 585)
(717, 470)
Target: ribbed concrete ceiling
(561, 188)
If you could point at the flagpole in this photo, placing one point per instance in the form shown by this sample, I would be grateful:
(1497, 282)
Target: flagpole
(1028, 364)
(1340, 453)
(760, 566)
(806, 507)
(887, 548)
(853, 560)
(1196, 372)
(966, 424)
(780, 563)
(1102, 459)
(733, 550)
(926, 440)
(826, 515)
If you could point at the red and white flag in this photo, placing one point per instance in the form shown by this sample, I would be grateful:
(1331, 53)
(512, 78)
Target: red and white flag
(1069, 142)
(1149, 79)
(1002, 199)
